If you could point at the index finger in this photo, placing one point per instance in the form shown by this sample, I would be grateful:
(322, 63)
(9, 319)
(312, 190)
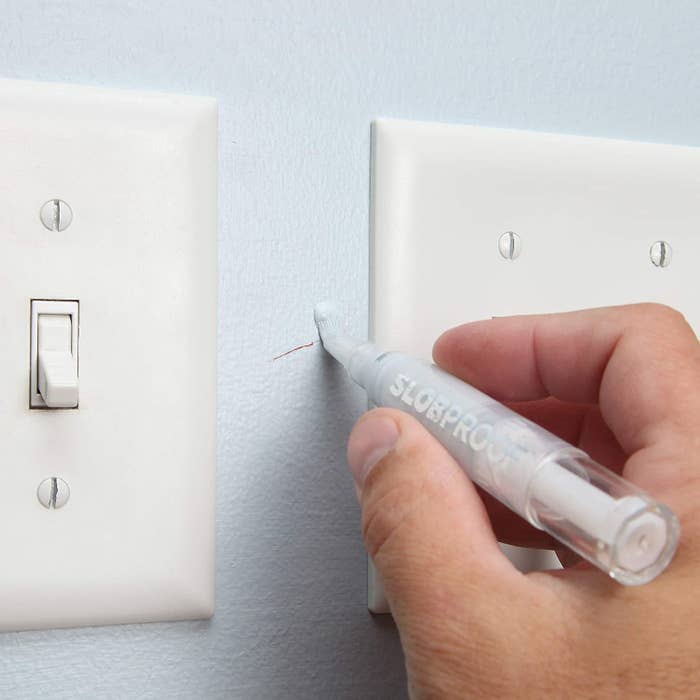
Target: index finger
(641, 363)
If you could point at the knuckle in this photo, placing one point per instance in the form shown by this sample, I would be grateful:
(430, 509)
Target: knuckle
(664, 331)
(661, 314)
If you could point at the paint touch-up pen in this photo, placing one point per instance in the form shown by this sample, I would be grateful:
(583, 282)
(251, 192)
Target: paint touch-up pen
(555, 486)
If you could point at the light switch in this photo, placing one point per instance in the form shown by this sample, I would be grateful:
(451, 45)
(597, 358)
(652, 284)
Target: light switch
(473, 222)
(108, 197)
(58, 380)
(54, 354)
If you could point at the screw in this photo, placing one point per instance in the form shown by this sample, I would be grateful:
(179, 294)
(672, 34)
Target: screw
(56, 215)
(660, 254)
(509, 245)
(53, 493)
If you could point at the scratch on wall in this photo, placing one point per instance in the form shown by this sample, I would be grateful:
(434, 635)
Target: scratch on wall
(298, 347)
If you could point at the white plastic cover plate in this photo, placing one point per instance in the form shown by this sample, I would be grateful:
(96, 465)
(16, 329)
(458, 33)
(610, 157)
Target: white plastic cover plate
(135, 540)
(586, 212)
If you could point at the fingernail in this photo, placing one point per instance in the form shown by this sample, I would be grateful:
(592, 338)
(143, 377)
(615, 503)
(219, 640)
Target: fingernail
(370, 440)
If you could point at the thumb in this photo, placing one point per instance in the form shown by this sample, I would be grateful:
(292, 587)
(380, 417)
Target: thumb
(423, 522)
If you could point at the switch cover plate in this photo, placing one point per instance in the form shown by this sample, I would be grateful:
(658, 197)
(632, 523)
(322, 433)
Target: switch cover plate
(135, 541)
(586, 210)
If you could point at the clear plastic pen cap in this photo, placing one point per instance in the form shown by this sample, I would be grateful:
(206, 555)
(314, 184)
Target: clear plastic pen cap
(603, 517)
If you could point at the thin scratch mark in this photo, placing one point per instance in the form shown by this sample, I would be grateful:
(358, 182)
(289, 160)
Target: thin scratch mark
(298, 347)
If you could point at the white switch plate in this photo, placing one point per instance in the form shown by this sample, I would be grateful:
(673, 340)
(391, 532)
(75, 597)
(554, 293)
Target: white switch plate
(587, 211)
(135, 542)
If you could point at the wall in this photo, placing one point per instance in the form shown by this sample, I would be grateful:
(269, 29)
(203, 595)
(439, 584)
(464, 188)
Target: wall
(298, 82)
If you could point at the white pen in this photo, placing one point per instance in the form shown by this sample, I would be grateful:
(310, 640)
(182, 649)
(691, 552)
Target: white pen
(553, 485)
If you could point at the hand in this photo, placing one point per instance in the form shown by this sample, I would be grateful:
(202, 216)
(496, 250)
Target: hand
(623, 383)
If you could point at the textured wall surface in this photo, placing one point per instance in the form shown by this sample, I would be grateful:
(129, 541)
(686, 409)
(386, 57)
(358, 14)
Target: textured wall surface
(299, 82)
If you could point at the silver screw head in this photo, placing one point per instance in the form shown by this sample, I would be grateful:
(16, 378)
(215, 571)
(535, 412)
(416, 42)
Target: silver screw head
(660, 253)
(56, 215)
(53, 493)
(509, 245)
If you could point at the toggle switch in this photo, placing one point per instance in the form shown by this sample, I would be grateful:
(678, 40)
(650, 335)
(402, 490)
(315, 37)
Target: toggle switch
(54, 354)
(58, 380)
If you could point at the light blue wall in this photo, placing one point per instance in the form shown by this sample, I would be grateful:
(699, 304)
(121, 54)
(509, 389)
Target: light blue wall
(299, 82)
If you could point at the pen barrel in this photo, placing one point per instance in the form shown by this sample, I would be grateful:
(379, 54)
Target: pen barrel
(555, 486)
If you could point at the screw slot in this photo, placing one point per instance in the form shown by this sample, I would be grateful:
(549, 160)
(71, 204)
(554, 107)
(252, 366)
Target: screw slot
(509, 245)
(56, 215)
(660, 254)
(53, 493)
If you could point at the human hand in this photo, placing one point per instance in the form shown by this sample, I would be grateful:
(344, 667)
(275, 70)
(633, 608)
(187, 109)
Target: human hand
(622, 383)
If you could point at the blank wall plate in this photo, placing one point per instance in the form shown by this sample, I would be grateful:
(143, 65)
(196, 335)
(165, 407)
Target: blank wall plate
(135, 541)
(586, 211)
